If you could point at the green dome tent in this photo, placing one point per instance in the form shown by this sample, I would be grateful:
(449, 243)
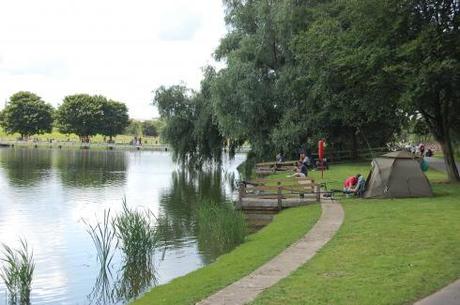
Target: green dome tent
(397, 175)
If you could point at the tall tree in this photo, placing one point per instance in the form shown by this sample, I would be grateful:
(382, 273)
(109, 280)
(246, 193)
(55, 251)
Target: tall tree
(429, 66)
(80, 114)
(189, 125)
(27, 114)
(114, 118)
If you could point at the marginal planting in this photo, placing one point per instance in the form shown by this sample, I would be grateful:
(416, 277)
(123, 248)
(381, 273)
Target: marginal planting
(136, 232)
(221, 227)
(104, 239)
(17, 273)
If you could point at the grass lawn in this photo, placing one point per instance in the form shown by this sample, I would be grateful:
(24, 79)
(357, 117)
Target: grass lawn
(387, 251)
(260, 247)
(56, 135)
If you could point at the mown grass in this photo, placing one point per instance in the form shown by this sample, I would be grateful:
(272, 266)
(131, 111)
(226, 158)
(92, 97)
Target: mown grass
(286, 228)
(337, 173)
(60, 137)
(387, 251)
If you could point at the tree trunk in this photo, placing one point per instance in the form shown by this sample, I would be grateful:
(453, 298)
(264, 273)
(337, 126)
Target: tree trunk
(451, 166)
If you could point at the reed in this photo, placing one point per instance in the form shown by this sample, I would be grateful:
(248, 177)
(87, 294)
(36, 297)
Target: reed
(220, 227)
(104, 239)
(17, 273)
(136, 232)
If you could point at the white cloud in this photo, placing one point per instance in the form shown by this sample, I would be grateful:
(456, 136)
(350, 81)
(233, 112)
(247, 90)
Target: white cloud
(121, 49)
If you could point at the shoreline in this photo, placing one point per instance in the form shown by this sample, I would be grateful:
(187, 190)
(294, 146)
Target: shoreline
(78, 145)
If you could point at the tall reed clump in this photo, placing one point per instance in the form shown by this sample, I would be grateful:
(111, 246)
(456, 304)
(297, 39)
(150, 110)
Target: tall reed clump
(220, 227)
(104, 239)
(17, 273)
(136, 232)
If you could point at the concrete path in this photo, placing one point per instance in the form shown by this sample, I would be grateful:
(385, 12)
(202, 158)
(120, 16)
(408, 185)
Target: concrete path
(246, 289)
(439, 164)
(449, 295)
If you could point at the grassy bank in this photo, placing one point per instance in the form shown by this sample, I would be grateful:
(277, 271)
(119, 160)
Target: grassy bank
(286, 228)
(387, 251)
(59, 137)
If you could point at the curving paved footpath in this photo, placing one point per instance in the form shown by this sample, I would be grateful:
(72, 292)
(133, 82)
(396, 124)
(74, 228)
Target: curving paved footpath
(247, 288)
(449, 295)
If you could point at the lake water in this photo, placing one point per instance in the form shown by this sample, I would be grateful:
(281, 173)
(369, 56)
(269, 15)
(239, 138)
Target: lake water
(47, 195)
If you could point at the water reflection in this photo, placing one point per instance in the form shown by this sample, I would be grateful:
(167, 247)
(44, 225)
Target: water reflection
(133, 279)
(84, 168)
(26, 167)
(179, 203)
(46, 193)
(192, 191)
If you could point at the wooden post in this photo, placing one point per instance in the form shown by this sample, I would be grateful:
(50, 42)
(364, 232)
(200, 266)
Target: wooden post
(280, 205)
(317, 190)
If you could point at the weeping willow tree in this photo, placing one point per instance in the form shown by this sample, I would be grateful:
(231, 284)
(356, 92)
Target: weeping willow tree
(189, 123)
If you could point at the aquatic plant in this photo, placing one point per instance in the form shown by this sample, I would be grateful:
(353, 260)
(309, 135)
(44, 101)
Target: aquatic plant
(104, 239)
(220, 227)
(136, 232)
(17, 273)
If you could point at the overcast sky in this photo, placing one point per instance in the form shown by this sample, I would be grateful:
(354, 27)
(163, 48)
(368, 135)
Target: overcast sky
(118, 48)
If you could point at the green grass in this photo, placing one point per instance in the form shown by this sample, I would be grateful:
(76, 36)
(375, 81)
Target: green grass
(56, 135)
(387, 251)
(336, 175)
(260, 247)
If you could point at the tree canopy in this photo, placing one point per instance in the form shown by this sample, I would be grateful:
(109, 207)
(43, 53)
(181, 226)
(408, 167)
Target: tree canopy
(190, 128)
(353, 72)
(87, 116)
(27, 114)
(114, 117)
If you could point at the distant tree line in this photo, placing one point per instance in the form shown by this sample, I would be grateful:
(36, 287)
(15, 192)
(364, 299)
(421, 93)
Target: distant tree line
(148, 128)
(354, 72)
(82, 114)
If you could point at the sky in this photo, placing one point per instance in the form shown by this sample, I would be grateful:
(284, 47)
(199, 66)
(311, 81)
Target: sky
(118, 48)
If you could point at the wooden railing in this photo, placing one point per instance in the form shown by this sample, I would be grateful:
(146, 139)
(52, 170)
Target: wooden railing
(261, 194)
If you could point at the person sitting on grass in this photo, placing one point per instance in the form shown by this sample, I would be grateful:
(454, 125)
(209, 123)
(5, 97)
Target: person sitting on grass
(350, 182)
(300, 171)
(359, 188)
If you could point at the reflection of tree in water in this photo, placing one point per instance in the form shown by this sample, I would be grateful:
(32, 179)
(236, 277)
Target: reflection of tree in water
(26, 166)
(178, 220)
(179, 204)
(83, 168)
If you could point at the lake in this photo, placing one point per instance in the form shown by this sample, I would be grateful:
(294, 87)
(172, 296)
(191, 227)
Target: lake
(48, 196)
